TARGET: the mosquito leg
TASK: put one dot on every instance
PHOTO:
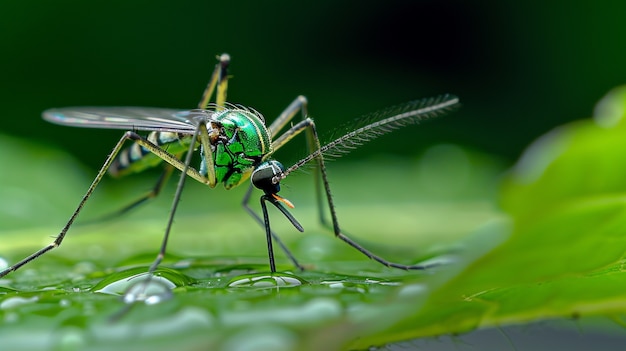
(381, 260)
(172, 159)
(164, 155)
(59, 238)
(268, 230)
(335, 222)
(298, 105)
(219, 78)
(133, 290)
(153, 193)
(268, 233)
(309, 126)
(175, 202)
(246, 206)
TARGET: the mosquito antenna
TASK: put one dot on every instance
(380, 123)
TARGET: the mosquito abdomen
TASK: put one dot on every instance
(137, 158)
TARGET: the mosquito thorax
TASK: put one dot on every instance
(239, 141)
(266, 176)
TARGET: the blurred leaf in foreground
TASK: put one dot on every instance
(567, 205)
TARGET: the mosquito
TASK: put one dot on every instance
(235, 145)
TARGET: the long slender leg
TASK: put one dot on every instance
(261, 222)
(266, 221)
(139, 289)
(309, 126)
(268, 230)
(175, 202)
(172, 159)
(59, 238)
(312, 142)
(219, 78)
(153, 193)
(164, 155)
(299, 104)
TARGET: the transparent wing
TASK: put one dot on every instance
(128, 118)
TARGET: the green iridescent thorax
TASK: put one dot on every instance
(240, 141)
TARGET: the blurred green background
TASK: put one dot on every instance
(520, 68)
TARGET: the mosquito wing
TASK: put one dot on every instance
(127, 118)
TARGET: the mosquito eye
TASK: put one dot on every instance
(262, 177)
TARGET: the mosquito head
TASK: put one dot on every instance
(266, 176)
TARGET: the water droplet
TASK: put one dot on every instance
(149, 289)
(4, 264)
(265, 280)
(119, 287)
(136, 285)
(118, 283)
(16, 301)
